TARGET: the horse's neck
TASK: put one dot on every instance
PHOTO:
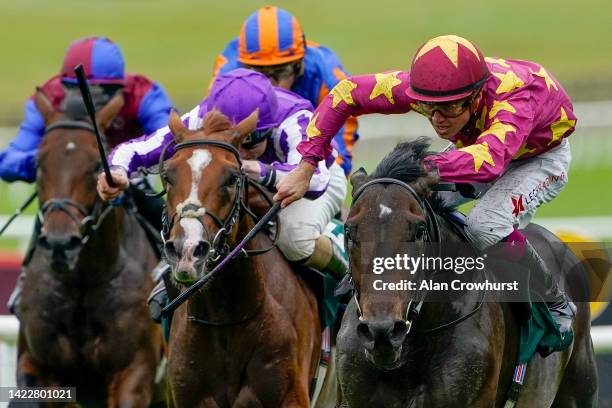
(439, 312)
(237, 291)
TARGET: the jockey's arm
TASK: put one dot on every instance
(291, 132)
(353, 96)
(18, 159)
(144, 151)
(333, 72)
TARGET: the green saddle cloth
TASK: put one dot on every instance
(541, 331)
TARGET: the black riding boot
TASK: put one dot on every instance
(158, 298)
(561, 308)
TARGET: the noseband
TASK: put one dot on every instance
(91, 221)
(430, 234)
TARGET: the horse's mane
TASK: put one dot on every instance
(405, 163)
(215, 121)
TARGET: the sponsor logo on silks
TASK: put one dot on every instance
(532, 198)
(517, 204)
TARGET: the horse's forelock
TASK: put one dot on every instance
(405, 162)
(215, 121)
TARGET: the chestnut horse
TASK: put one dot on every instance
(459, 354)
(84, 319)
(251, 336)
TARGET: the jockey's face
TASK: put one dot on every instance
(282, 76)
(448, 126)
(255, 152)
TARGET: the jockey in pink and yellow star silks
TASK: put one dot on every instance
(508, 120)
(523, 111)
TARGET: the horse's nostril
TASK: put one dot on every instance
(44, 243)
(364, 333)
(73, 243)
(201, 249)
(399, 330)
(171, 252)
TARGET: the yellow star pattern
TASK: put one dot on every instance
(342, 93)
(509, 82)
(500, 106)
(480, 153)
(311, 129)
(498, 61)
(449, 44)
(458, 144)
(561, 126)
(523, 150)
(481, 121)
(498, 130)
(385, 84)
(549, 81)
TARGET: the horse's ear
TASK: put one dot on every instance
(176, 125)
(245, 127)
(44, 106)
(358, 178)
(105, 116)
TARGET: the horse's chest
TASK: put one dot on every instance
(77, 336)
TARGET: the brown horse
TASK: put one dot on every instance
(251, 337)
(84, 320)
(459, 354)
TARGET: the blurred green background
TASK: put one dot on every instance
(176, 42)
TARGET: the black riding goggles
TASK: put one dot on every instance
(256, 137)
(450, 109)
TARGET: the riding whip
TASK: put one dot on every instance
(18, 211)
(80, 74)
(180, 299)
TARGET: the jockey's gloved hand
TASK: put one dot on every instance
(121, 180)
(467, 190)
(294, 185)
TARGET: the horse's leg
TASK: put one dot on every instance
(328, 397)
(28, 375)
(578, 388)
(133, 386)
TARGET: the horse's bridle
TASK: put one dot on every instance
(91, 221)
(430, 234)
(219, 246)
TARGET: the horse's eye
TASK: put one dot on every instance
(421, 230)
(232, 180)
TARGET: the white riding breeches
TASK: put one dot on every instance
(511, 201)
(304, 220)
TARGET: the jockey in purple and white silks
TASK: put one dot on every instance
(269, 154)
(508, 120)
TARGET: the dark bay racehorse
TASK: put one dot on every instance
(84, 320)
(468, 363)
(251, 337)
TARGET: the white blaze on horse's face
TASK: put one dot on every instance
(193, 234)
(384, 210)
(70, 146)
(200, 158)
